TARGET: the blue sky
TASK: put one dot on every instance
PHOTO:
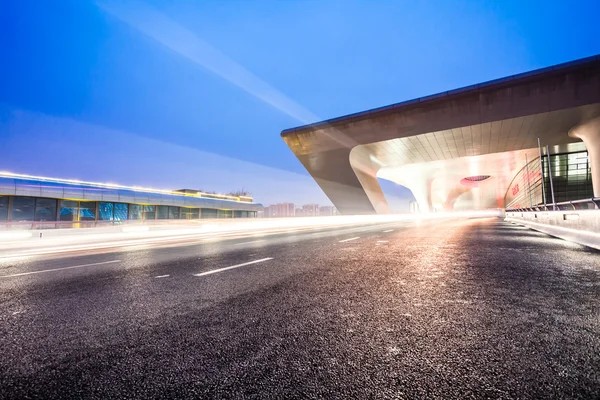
(195, 93)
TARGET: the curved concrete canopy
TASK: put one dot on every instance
(452, 129)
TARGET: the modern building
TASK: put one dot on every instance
(280, 210)
(47, 202)
(327, 211)
(470, 148)
(310, 210)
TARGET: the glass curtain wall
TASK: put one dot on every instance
(3, 208)
(162, 212)
(69, 210)
(189, 213)
(38, 209)
(105, 211)
(173, 212)
(571, 177)
(148, 212)
(22, 209)
(87, 211)
(45, 209)
(135, 211)
(120, 211)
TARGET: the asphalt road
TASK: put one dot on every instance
(459, 309)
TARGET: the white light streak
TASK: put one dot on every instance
(63, 240)
(15, 235)
(130, 229)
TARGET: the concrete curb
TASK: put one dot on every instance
(579, 226)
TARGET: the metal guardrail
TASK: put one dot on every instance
(584, 204)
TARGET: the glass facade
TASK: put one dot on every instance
(224, 213)
(148, 212)
(105, 211)
(120, 212)
(3, 208)
(173, 212)
(22, 209)
(135, 211)
(189, 213)
(38, 209)
(208, 213)
(45, 209)
(87, 211)
(571, 179)
(69, 210)
(162, 212)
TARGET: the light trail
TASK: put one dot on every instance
(63, 240)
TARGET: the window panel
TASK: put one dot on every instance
(208, 213)
(3, 208)
(149, 212)
(87, 211)
(162, 212)
(173, 212)
(69, 210)
(22, 208)
(135, 211)
(189, 213)
(120, 211)
(105, 211)
(224, 213)
(45, 209)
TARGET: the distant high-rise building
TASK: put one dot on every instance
(280, 210)
(327, 211)
(310, 210)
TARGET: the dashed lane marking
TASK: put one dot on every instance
(214, 271)
(59, 269)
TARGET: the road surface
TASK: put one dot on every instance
(475, 308)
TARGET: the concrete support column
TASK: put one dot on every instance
(365, 166)
(589, 133)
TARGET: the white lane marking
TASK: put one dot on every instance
(214, 271)
(162, 276)
(59, 269)
(383, 241)
(347, 240)
(254, 241)
(389, 230)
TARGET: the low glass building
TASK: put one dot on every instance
(38, 202)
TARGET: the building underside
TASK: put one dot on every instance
(463, 149)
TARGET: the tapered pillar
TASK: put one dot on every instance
(589, 132)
